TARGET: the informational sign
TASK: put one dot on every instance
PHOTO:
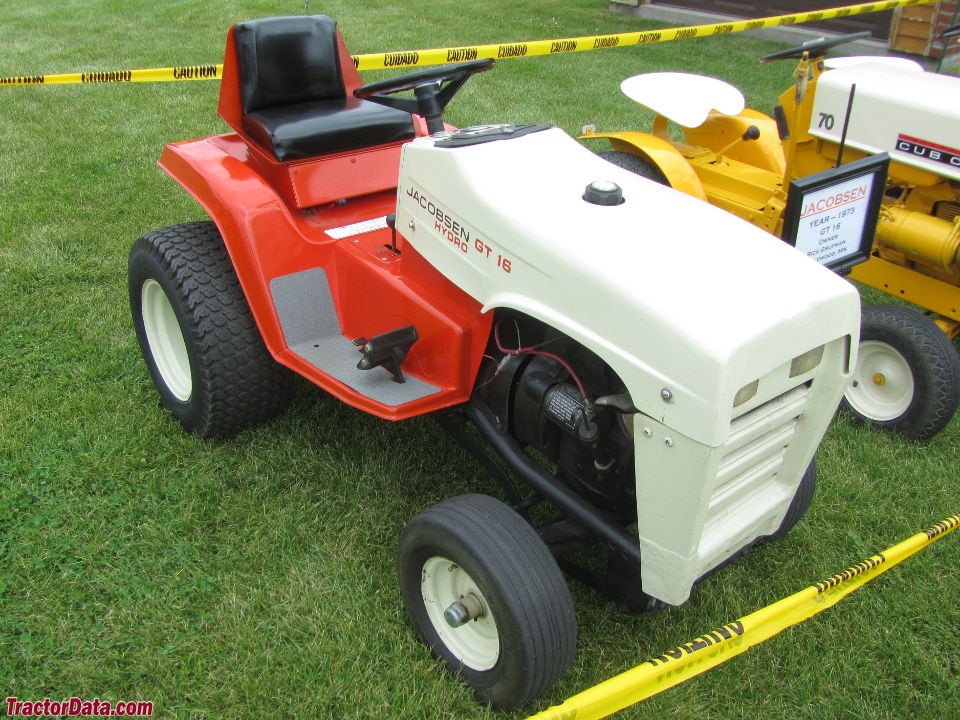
(832, 219)
(832, 216)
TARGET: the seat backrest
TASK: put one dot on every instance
(287, 91)
(277, 61)
(287, 60)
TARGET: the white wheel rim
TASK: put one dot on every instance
(165, 338)
(882, 387)
(476, 643)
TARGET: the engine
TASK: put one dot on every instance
(558, 398)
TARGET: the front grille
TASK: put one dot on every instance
(754, 452)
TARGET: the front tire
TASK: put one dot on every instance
(801, 500)
(474, 555)
(197, 335)
(907, 378)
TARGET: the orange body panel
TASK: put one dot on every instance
(373, 291)
(273, 217)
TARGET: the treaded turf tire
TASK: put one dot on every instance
(197, 334)
(907, 378)
(474, 545)
(635, 164)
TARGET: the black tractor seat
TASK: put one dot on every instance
(321, 127)
(293, 96)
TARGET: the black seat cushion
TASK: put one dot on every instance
(293, 96)
(285, 60)
(326, 126)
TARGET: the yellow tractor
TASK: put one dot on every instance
(813, 175)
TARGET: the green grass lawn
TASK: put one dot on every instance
(254, 577)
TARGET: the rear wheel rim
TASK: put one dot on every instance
(165, 338)
(476, 643)
(883, 384)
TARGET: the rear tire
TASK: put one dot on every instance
(907, 378)
(635, 164)
(197, 335)
(521, 637)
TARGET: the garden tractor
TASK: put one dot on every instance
(796, 175)
(646, 421)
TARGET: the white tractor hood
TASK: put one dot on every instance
(671, 292)
(912, 115)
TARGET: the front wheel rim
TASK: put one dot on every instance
(883, 384)
(476, 643)
(165, 338)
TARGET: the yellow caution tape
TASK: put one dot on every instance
(718, 646)
(442, 56)
(187, 72)
(439, 56)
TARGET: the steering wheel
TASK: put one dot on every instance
(816, 48)
(431, 95)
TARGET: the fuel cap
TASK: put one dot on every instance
(603, 192)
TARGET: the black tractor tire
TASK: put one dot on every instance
(635, 164)
(197, 335)
(473, 546)
(801, 500)
(907, 378)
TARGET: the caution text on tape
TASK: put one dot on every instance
(440, 56)
(506, 51)
(717, 646)
(170, 74)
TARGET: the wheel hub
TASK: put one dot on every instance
(883, 385)
(459, 613)
(463, 610)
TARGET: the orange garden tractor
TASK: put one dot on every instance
(358, 241)
(806, 175)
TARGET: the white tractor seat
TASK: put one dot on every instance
(685, 98)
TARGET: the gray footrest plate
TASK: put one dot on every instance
(312, 331)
